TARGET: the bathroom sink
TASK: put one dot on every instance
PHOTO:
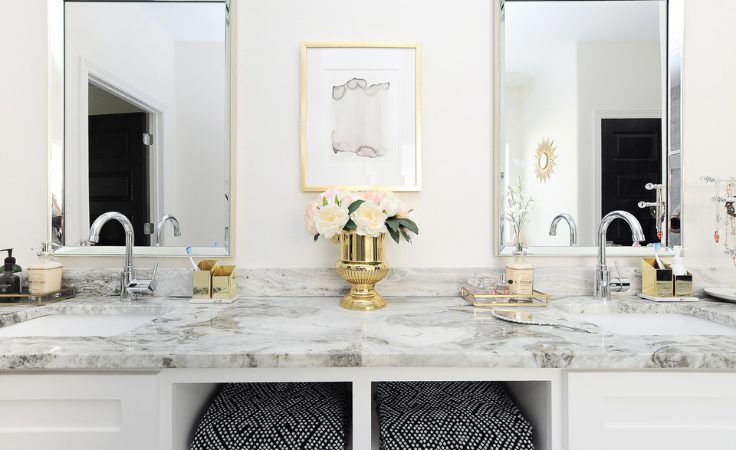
(78, 325)
(665, 324)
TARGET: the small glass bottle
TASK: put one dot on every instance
(502, 287)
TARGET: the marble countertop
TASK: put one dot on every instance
(315, 332)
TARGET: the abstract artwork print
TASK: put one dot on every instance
(359, 114)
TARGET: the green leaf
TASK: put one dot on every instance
(337, 200)
(410, 225)
(394, 235)
(393, 224)
(405, 234)
(316, 236)
(354, 206)
(324, 201)
(350, 226)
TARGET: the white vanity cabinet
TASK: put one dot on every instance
(79, 411)
(651, 410)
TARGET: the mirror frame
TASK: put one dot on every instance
(675, 17)
(56, 143)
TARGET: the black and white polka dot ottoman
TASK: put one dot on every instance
(271, 416)
(450, 416)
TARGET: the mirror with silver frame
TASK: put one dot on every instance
(140, 123)
(587, 121)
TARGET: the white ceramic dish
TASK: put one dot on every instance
(728, 294)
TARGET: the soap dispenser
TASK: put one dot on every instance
(10, 282)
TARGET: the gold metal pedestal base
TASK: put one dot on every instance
(361, 264)
(363, 297)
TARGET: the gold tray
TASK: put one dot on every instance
(481, 298)
(40, 300)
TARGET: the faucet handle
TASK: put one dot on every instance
(137, 286)
(619, 283)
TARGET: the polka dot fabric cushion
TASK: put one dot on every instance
(450, 416)
(271, 416)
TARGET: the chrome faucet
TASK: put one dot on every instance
(160, 226)
(570, 223)
(129, 285)
(602, 281)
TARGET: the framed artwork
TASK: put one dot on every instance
(360, 116)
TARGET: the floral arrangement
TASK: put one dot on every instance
(367, 213)
(518, 206)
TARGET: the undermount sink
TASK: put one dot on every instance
(58, 325)
(665, 324)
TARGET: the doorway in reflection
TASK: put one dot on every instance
(118, 161)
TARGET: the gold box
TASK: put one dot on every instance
(223, 282)
(656, 282)
(683, 285)
(202, 279)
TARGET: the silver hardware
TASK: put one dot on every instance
(149, 228)
(602, 277)
(658, 207)
(571, 225)
(147, 139)
(619, 284)
(143, 286)
(159, 227)
(94, 237)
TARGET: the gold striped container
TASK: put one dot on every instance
(362, 265)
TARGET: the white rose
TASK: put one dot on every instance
(329, 220)
(370, 220)
(391, 204)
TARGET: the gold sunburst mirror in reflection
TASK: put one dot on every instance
(545, 158)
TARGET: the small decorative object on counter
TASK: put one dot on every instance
(44, 277)
(656, 282)
(488, 298)
(502, 287)
(520, 274)
(10, 282)
(358, 222)
(224, 286)
(202, 279)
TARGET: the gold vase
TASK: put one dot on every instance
(361, 264)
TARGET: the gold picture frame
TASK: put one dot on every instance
(316, 134)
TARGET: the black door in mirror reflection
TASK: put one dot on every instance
(631, 157)
(118, 173)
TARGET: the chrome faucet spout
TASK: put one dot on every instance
(94, 237)
(159, 228)
(571, 225)
(602, 275)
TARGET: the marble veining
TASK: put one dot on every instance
(400, 282)
(292, 332)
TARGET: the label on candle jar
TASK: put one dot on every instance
(521, 281)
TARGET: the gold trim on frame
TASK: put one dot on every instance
(417, 123)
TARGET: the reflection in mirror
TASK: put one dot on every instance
(582, 117)
(146, 127)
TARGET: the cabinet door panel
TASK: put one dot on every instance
(665, 410)
(80, 412)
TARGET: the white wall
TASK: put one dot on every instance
(455, 205)
(549, 107)
(612, 77)
(199, 201)
(23, 122)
